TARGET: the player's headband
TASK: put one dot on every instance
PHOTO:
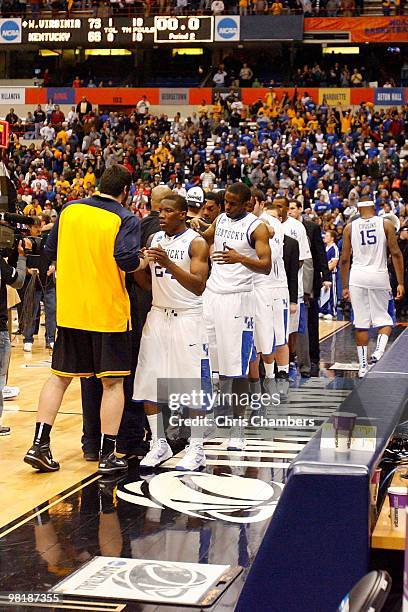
(365, 203)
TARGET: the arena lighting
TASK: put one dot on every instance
(341, 50)
(188, 51)
(109, 52)
(48, 53)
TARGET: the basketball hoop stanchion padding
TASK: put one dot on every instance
(4, 134)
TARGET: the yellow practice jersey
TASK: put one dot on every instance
(95, 241)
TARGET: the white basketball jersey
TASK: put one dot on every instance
(234, 233)
(277, 277)
(167, 291)
(369, 244)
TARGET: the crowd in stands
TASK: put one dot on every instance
(329, 8)
(322, 156)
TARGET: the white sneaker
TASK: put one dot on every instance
(159, 451)
(362, 371)
(376, 356)
(28, 347)
(193, 459)
(10, 392)
(52, 346)
(328, 317)
(236, 444)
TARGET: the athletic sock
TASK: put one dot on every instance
(283, 368)
(197, 432)
(381, 343)
(362, 356)
(108, 442)
(156, 426)
(42, 433)
(269, 369)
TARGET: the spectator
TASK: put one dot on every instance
(11, 117)
(219, 78)
(143, 107)
(84, 107)
(217, 7)
(245, 76)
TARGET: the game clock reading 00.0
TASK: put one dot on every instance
(183, 29)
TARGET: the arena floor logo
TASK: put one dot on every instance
(227, 497)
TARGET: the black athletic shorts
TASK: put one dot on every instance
(88, 353)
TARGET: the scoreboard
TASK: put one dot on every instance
(117, 31)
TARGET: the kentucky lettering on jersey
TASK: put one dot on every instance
(167, 291)
(369, 245)
(236, 234)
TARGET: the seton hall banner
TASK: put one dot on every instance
(362, 29)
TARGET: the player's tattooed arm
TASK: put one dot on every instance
(345, 261)
(397, 258)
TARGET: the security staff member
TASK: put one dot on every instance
(95, 242)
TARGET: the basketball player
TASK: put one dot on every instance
(368, 287)
(271, 315)
(297, 322)
(328, 298)
(241, 249)
(173, 345)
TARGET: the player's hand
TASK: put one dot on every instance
(293, 308)
(326, 284)
(230, 256)
(400, 292)
(306, 298)
(51, 270)
(159, 256)
(195, 224)
(346, 295)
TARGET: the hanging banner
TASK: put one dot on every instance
(226, 28)
(334, 96)
(362, 29)
(272, 27)
(173, 96)
(389, 96)
(12, 95)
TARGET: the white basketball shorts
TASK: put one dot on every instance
(230, 320)
(372, 307)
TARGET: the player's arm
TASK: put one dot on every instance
(208, 234)
(143, 275)
(270, 229)
(262, 265)
(345, 261)
(194, 280)
(397, 258)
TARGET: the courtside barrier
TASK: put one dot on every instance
(318, 542)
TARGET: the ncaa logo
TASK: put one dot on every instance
(10, 30)
(227, 28)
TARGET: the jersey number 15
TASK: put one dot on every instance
(368, 237)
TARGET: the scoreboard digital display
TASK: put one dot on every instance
(117, 31)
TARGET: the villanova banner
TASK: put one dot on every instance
(389, 96)
(226, 28)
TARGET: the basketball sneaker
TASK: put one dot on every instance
(10, 392)
(159, 451)
(40, 458)
(362, 371)
(110, 464)
(237, 444)
(193, 459)
(28, 347)
(375, 357)
(4, 431)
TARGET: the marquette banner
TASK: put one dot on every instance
(362, 29)
(389, 96)
(272, 27)
(334, 97)
(174, 96)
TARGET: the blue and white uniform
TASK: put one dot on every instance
(174, 348)
(229, 305)
(370, 291)
(295, 229)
